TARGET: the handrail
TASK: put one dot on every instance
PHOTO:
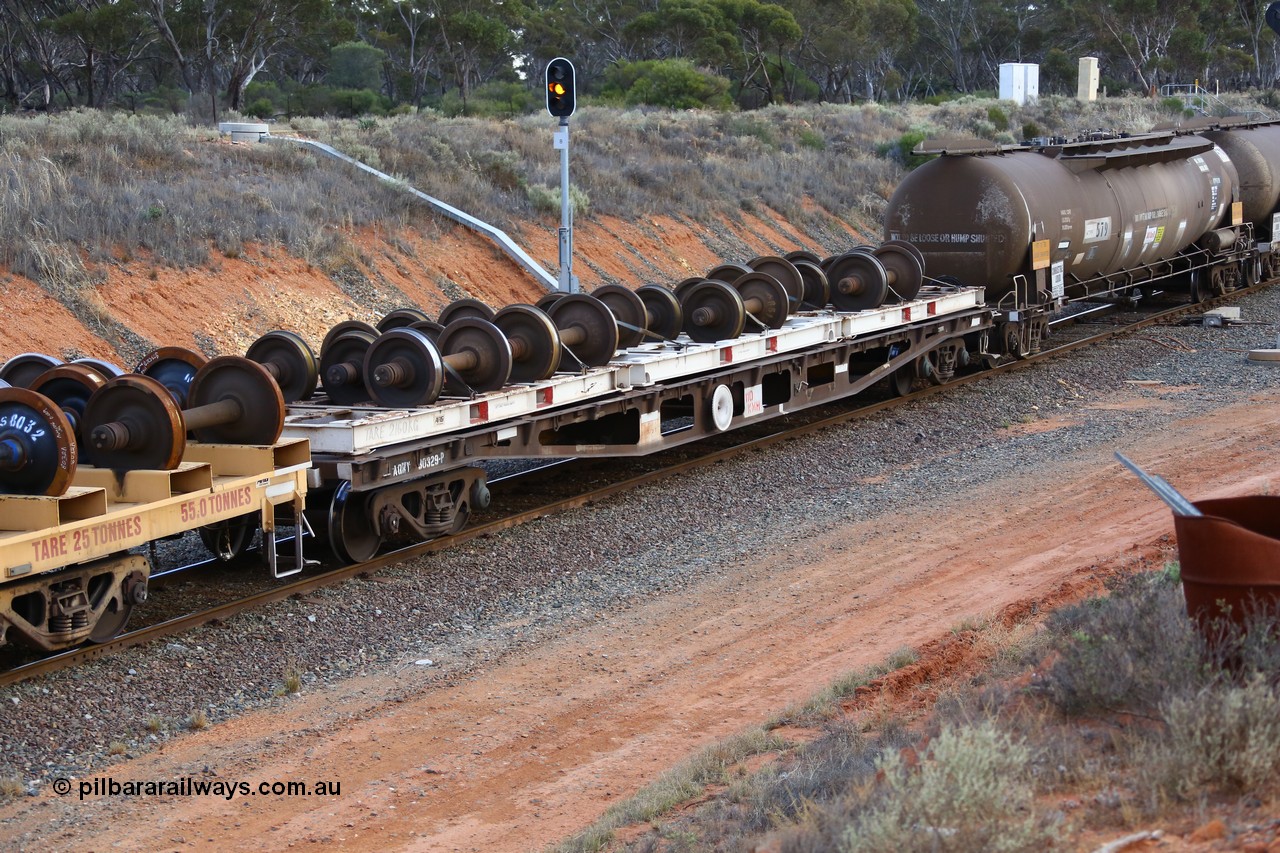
(260, 132)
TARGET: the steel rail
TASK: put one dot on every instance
(72, 657)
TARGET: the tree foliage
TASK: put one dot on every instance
(203, 55)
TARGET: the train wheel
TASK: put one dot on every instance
(1196, 287)
(903, 380)
(353, 532)
(1251, 270)
(123, 598)
(229, 539)
(1271, 266)
(111, 622)
(1219, 281)
(939, 366)
(460, 519)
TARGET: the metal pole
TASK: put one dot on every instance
(568, 283)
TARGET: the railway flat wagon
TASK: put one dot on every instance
(75, 564)
(385, 472)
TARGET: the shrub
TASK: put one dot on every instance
(972, 791)
(355, 65)
(1129, 652)
(1225, 735)
(902, 149)
(811, 139)
(999, 118)
(354, 102)
(261, 108)
(547, 199)
(501, 99)
(672, 83)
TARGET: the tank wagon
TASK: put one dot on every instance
(1042, 224)
(381, 437)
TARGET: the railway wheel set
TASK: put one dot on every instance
(93, 416)
(140, 420)
(79, 413)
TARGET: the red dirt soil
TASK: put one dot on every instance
(237, 299)
(539, 745)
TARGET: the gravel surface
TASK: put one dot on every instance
(463, 609)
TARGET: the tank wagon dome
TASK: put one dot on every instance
(1102, 205)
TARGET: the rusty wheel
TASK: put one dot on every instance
(764, 298)
(235, 384)
(174, 368)
(713, 311)
(628, 309)
(400, 318)
(70, 386)
(547, 299)
(728, 273)
(342, 367)
(21, 370)
(858, 282)
(106, 369)
(460, 308)
(478, 354)
(904, 270)
(134, 423)
(430, 328)
(534, 339)
(910, 247)
(37, 445)
(817, 292)
(403, 369)
(786, 273)
(342, 328)
(289, 359)
(665, 317)
(804, 255)
(687, 283)
(587, 327)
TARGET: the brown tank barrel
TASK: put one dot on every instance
(1102, 206)
(1255, 152)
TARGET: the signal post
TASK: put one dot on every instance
(561, 103)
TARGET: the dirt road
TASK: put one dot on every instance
(539, 745)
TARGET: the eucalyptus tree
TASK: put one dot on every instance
(458, 44)
(851, 48)
(223, 44)
(105, 39)
(746, 41)
(37, 58)
(1141, 33)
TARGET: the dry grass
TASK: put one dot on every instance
(292, 682)
(1138, 719)
(197, 720)
(683, 783)
(83, 188)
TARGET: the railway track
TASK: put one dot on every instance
(670, 463)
